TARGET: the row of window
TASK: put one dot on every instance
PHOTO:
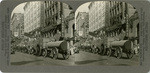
(117, 9)
(52, 12)
(32, 16)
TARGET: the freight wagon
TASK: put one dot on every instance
(118, 47)
(111, 46)
(45, 47)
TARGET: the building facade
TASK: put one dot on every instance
(54, 17)
(70, 27)
(33, 17)
(85, 27)
(82, 24)
(98, 15)
(114, 19)
(17, 25)
(124, 22)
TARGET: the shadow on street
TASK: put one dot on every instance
(88, 61)
(24, 62)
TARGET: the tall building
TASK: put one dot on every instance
(54, 17)
(98, 15)
(82, 23)
(114, 19)
(85, 26)
(17, 25)
(111, 17)
(69, 22)
(33, 17)
(124, 22)
(69, 25)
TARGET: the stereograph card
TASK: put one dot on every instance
(73, 36)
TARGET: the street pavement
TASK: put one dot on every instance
(80, 59)
(86, 58)
(26, 59)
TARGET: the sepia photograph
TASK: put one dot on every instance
(42, 34)
(107, 34)
(98, 33)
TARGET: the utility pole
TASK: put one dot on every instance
(62, 22)
(127, 20)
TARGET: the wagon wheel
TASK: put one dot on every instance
(92, 48)
(130, 54)
(26, 50)
(66, 55)
(55, 53)
(38, 50)
(95, 50)
(99, 51)
(103, 50)
(109, 52)
(30, 51)
(119, 52)
(44, 53)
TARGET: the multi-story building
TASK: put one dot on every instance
(111, 16)
(85, 27)
(55, 18)
(114, 19)
(98, 16)
(82, 24)
(70, 26)
(124, 22)
(33, 17)
(17, 25)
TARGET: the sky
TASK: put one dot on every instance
(18, 9)
(82, 8)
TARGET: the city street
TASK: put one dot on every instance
(82, 58)
(50, 24)
(27, 59)
(86, 58)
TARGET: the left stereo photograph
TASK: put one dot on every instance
(42, 33)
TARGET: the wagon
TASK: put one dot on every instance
(49, 48)
(53, 48)
(98, 46)
(120, 47)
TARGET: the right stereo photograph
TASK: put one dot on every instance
(107, 33)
